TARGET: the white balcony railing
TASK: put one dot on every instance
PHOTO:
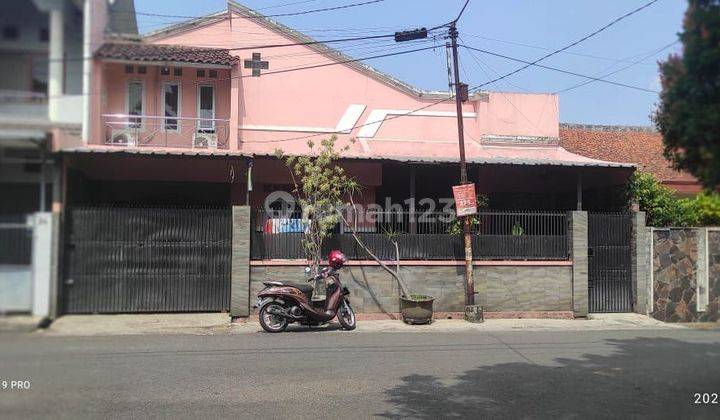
(155, 131)
(23, 104)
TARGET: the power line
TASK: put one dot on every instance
(287, 4)
(654, 52)
(586, 37)
(327, 41)
(315, 66)
(531, 63)
(304, 12)
(539, 47)
(477, 60)
(346, 61)
(481, 64)
(260, 47)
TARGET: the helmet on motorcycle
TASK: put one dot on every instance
(336, 259)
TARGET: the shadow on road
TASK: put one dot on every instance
(648, 377)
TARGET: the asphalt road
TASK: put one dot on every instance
(651, 374)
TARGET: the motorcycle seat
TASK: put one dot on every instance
(305, 288)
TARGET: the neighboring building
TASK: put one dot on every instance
(44, 84)
(642, 146)
(44, 96)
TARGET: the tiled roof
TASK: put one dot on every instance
(639, 145)
(138, 51)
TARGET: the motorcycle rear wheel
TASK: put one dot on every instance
(270, 322)
(346, 316)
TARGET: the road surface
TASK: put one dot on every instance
(332, 374)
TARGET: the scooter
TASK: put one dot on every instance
(281, 303)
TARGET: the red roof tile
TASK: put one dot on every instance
(138, 51)
(639, 145)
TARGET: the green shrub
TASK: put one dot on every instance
(705, 209)
(662, 208)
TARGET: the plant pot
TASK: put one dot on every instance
(417, 310)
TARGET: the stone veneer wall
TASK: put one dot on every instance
(675, 267)
(500, 288)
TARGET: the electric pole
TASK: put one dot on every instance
(472, 313)
(460, 94)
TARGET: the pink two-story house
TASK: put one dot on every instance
(191, 116)
(198, 102)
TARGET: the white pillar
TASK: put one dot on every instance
(56, 63)
(87, 68)
(42, 253)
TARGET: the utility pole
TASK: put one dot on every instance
(473, 313)
(460, 95)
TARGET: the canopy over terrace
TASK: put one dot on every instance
(522, 177)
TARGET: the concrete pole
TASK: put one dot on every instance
(87, 69)
(56, 64)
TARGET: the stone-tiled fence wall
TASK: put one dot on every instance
(521, 288)
(685, 274)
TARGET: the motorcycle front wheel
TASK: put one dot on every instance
(346, 316)
(270, 322)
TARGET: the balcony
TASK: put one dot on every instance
(17, 104)
(165, 132)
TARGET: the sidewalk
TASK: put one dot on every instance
(594, 322)
(18, 323)
(125, 324)
(218, 323)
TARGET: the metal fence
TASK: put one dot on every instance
(15, 240)
(422, 236)
(147, 259)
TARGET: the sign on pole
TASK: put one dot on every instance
(465, 199)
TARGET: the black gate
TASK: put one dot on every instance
(147, 260)
(609, 274)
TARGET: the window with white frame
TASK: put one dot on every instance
(171, 106)
(135, 102)
(206, 108)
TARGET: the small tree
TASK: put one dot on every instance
(320, 187)
(323, 190)
(688, 115)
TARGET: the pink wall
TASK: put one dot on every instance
(113, 98)
(319, 97)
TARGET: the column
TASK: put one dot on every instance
(233, 138)
(578, 236)
(703, 283)
(639, 255)
(240, 263)
(56, 63)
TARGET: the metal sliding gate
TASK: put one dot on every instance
(147, 260)
(609, 261)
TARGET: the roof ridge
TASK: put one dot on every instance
(318, 46)
(150, 44)
(603, 127)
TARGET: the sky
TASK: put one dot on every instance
(523, 29)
